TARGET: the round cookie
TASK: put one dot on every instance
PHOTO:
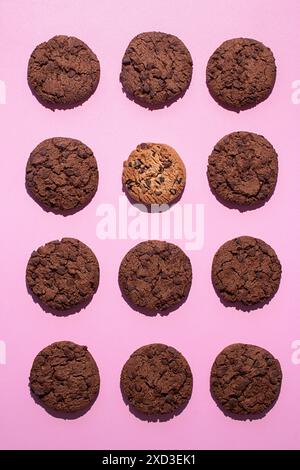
(154, 174)
(157, 380)
(63, 274)
(156, 69)
(64, 377)
(62, 174)
(241, 73)
(246, 271)
(155, 276)
(63, 72)
(245, 380)
(243, 168)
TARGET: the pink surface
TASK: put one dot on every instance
(112, 125)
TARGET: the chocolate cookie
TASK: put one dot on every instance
(246, 270)
(63, 274)
(64, 377)
(245, 380)
(62, 174)
(155, 276)
(157, 380)
(241, 73)
(154, 174)
(63, 72)
(243, 169)
(156, 69)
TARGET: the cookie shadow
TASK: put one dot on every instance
(237, 417)
(58, 313)
(59, 107)
(154, 107)
(153, 313)
(62, 414)
(240, 207)
(64, 213)
(233, 108)
(148, 207)
(153, 418)
(240, 305)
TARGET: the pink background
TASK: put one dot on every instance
(112, 125)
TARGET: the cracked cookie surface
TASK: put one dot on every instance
(157, 380)
(63, 274)
(62, 174)
(246, 271)
(241, 73)
(245, 379)
(63, 72)
(156, 69)
(243, 168)
(156, 276)
(65, 377)
(154, 174)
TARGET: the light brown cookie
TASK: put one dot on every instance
(154, 174)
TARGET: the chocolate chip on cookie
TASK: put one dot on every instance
(154, 174)
(246, 271)
(64, 377)
(245, 380)
(156, 69)
(157, 380)
(62, 174)
(63, 72)
(243, 168)
(63, 274)
(155, 276)
(241, 73)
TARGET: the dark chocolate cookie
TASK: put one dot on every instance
(155, 276)
(241, 73)
(62, 174)
(63, 72)
(64, 377)
(245, 380)
(63, 274)
(157, 380)
(154, 174)
(243, 169)
(246, 270)
(156, 69)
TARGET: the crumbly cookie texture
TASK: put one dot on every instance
(155, 275)
(157, 380)
(246, 270)
(154, 174)
(63, 274)
(63, 72)
(62, 174)
(241, 73)
(156, 69)
(245, 380)
(65, 377)
(243, 168)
